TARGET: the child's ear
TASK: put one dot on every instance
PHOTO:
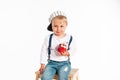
(66, 22)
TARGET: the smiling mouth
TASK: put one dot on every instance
(57, 32)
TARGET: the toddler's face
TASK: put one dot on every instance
(59, 26)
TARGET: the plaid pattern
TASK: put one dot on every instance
(57, 13)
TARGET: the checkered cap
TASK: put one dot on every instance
(57, 13)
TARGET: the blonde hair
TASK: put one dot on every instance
(61, 17)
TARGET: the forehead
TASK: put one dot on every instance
(59, 19)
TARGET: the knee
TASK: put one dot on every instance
(46, 76)
(63, 75)
(43, 77)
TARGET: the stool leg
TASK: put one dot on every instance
(37, 76)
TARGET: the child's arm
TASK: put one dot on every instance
(44, 51)
(72, 50)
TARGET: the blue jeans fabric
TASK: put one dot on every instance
(53, 67)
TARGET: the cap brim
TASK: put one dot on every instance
(49, 28)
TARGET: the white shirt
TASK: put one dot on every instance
(54, 44)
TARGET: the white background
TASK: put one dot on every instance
(93, 23)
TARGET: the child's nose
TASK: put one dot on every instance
(58, 28)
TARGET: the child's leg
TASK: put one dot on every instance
(64, 70)
(48, 73)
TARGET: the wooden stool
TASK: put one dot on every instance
(72, 76)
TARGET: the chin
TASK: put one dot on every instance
(58, 34)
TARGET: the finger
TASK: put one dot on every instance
(41, 71)
(59, 53)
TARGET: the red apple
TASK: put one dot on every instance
(61, 48)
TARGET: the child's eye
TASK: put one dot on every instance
(61, 26)
(55, 26)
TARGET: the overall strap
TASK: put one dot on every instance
(70, 42)
(49, 46)
(69, 46)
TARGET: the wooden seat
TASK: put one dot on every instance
(72, 76)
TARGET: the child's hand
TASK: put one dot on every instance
(66, 53)
(42, 68)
